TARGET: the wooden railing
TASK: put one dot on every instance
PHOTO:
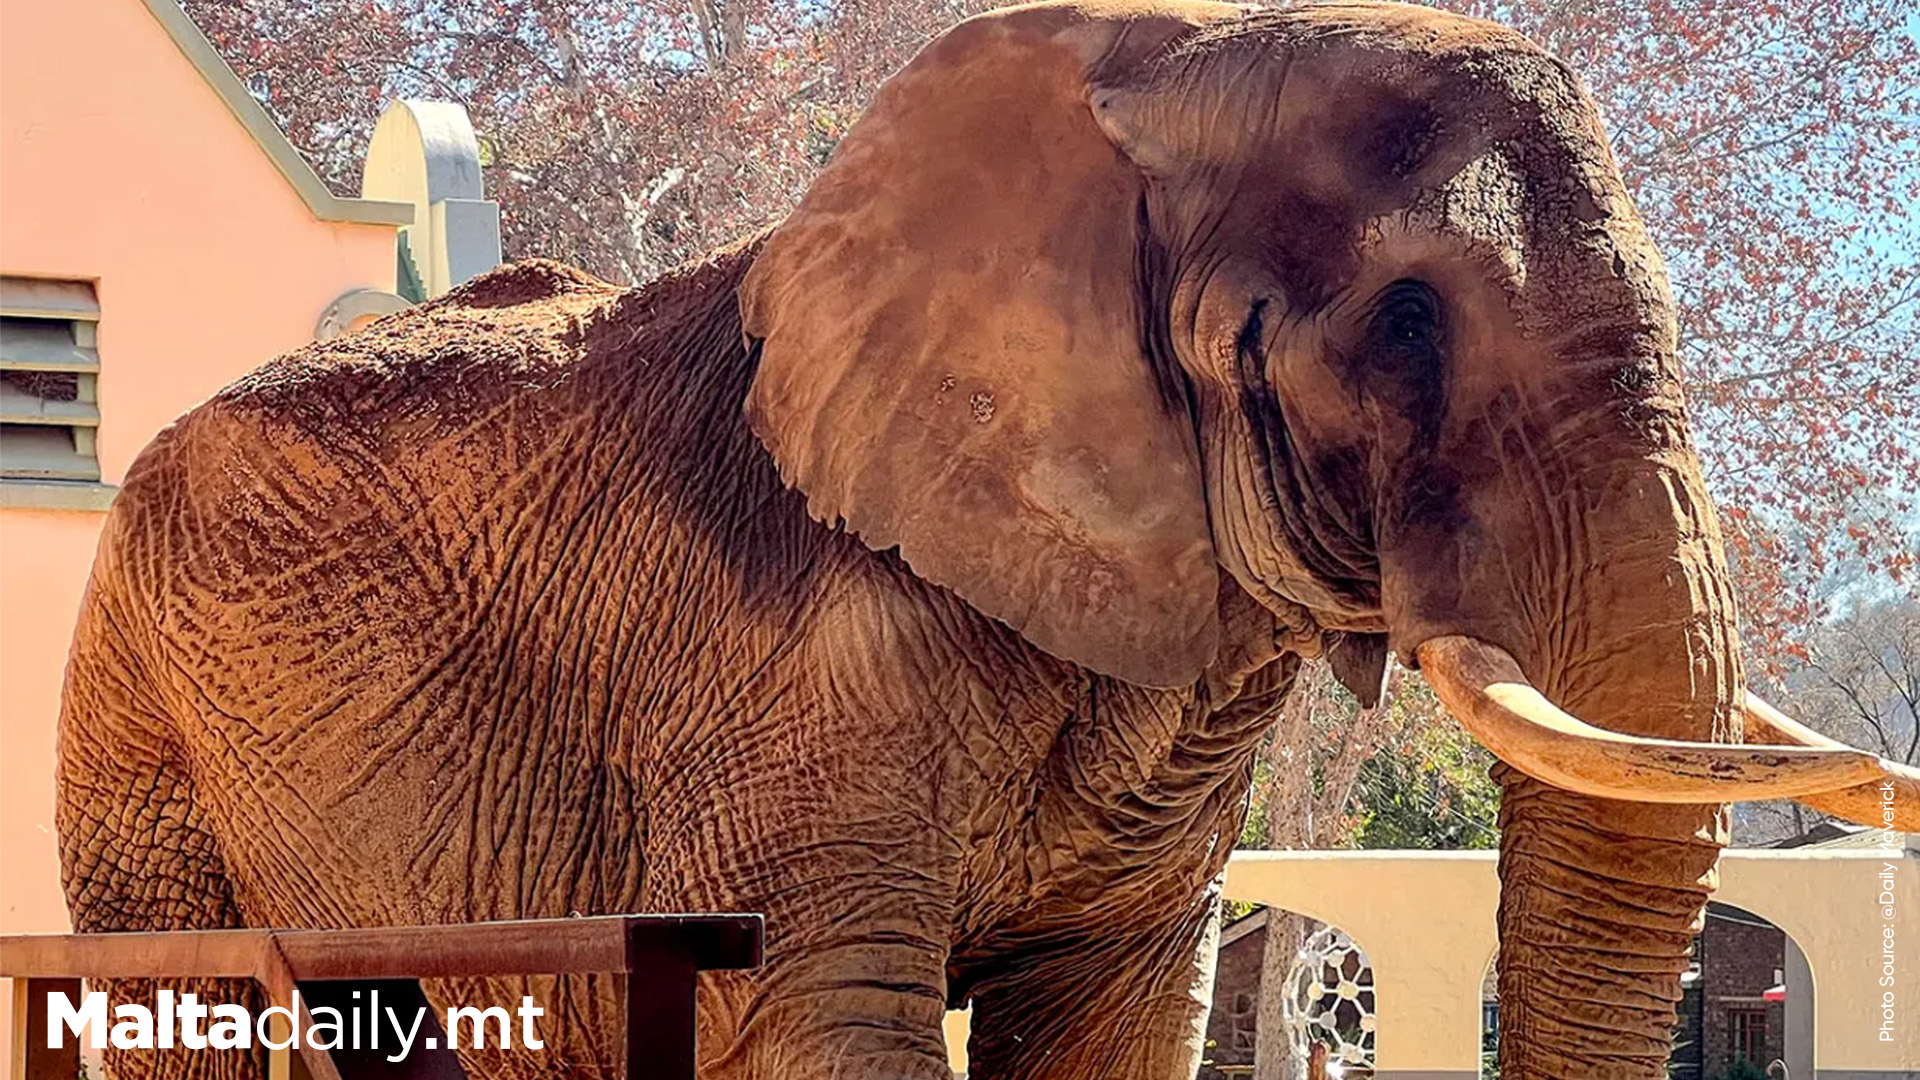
(659, 955)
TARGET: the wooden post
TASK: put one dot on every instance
(32, 1058)
(660, 1008)
(283, 1062)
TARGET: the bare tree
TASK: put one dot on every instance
(1859, 682)
(1863, 679)
(1307, 795)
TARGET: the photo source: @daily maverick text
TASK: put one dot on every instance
(182, 1022)
(1892, 839)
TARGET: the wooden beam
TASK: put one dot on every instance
(525, 947)
(660, 957)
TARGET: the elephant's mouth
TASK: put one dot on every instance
(1483, 686)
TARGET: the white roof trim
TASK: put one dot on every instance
(1243, 926)
(325, 205)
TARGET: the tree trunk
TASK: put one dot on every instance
(1317, 733)
(1273, 1047)
(708, 23)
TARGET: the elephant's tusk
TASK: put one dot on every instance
(1891, 800)
(1482, 685)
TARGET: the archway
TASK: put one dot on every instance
(1747, 1005)
(1746, 1008)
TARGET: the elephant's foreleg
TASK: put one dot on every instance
(1127, 1007)
(853, 988)
(854, 1011)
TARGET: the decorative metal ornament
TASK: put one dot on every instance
(1330, 1002)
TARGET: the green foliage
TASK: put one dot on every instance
(1403, 775)
(1742, 1069)
(1428, 791)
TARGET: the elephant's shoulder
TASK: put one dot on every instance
(431, 369)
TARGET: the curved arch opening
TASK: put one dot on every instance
(1746, 1005)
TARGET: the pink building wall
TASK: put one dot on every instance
(122, 165)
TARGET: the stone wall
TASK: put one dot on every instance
(1236, 997)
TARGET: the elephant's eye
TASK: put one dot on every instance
(1254, 330)
(1408, 316)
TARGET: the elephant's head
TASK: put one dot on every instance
(1347, 301)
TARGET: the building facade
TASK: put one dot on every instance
(159, 237)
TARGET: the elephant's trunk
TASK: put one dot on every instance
(1542, 525)
(1592, 648)
(1598, 904)
(1600, 898)
(1598, 567)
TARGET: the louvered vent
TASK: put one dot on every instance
(49, 373)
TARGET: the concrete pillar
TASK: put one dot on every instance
(1426, 922)
(1799, 1034)
(425, 153)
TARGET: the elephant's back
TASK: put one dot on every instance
(411, 591)
(402, 483)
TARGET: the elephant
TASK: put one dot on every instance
(923, 571)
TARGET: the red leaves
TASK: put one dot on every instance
(1764, 147)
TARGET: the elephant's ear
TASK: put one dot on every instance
(951, 347)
